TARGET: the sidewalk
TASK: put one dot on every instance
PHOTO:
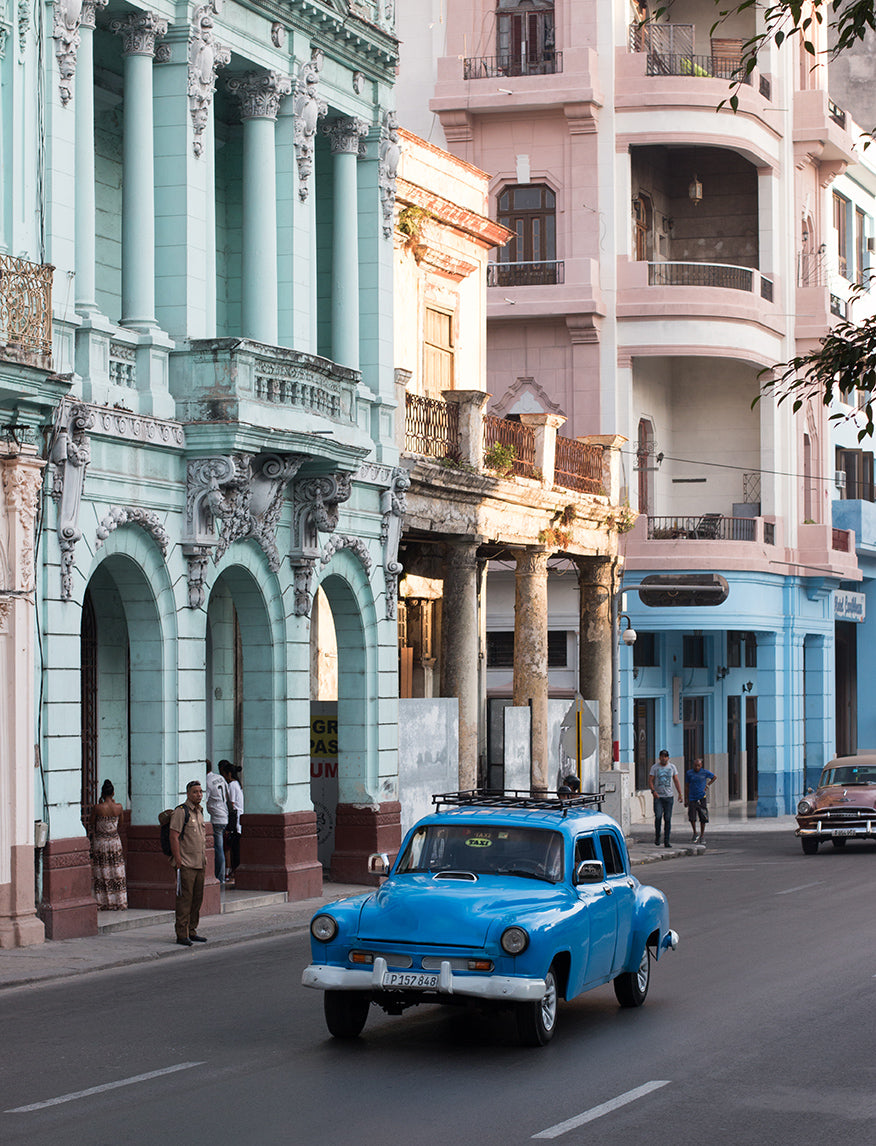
(140, 936)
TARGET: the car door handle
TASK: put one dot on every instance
(607, 890)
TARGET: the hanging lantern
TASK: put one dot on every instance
(695, 190)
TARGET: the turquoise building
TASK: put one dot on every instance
(213, 185)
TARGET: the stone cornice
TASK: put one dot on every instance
(486, 232)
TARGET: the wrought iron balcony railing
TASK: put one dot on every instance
(548, 63)
(578, 465)
(25, 309)
(545, 272)
(512, 435)
(708, 527)
(709, 275)
(431, 427)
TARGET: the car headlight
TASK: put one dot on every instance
(514, 940)
(804, 808)
(323, 928)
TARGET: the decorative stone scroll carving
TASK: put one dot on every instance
(66, 19)
(23, 25)
(206, 56)
(315, 510)
(344, 541)
(393, 504)
(389, 155)
(245, 493)
(139, 32)
(70, 456)
(260, 93)
(21, 492)
(345, 133)
(133, 515)
(308, 110)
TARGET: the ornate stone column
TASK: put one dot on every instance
(86, 298)
(259, 94)
(459, 650)
(595, 637)
(139, 33)
(345, 134)
(530, 657)
(21, 480)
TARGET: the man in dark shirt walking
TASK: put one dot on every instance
(188, 843)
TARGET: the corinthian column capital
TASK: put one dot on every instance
(260, 93)
(139, 32)
(345, 133)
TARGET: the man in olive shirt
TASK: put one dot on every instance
(188, 843)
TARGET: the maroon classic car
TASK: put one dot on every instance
(843, 807)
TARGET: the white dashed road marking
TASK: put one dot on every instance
(603, 1108)
(802, 887)
(100, 1089)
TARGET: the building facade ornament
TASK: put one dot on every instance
(70, 456)
(139, 31)
(278, 34)
(389, 155)
(302, 570)
(344, 541)
(315, 503)
(23, 25)
(308, 110)
(206, 56)
(197, 559)
(21, 493)
(133, 515)
(66, 19)
(393, 503)
(245, 493)
(259, 93)
(136, 428)
(345, 134)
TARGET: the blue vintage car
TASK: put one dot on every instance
(497, 899)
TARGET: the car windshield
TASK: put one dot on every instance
(485, 849)
(848, 775)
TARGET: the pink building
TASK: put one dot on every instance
(666, 252)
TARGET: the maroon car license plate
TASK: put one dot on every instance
(843, 832)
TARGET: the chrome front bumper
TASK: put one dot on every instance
(824, 828)
(505, 988)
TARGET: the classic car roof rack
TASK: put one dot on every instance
(516, 798)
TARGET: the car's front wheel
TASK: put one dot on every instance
(346, 1012)
(631, 988)
(536, 1021)
(809, 845)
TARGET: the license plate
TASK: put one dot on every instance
(843, 832)
(410, 979)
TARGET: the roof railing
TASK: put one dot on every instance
(516, 798)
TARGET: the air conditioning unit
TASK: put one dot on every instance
(839, 479)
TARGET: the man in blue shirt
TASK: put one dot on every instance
(697, 781)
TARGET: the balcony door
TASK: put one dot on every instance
(525, 43)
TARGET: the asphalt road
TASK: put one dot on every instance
(758, 1029)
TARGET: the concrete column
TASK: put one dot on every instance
(139, 32)
(611, 464)
(819, 702)
(595, 640)
(345, 134)
(459, 650)
(259, 94)
(86, 297)
(545, 427)
(472, 404)
(19, 498)
(530, 656)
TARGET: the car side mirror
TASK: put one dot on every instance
(590, 871)
(378, 864)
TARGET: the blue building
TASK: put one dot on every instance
(214, 421)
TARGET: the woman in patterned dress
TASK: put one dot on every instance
(109, 885)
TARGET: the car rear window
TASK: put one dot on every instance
(484, 849)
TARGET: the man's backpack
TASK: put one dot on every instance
(164, 822)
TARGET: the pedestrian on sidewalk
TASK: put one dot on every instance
(108, 881)
(231, 773)
(218, 809)
(660, 780)
(188, 843)
(697, 781)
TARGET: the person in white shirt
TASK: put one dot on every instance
(218, 805)
(663, 775)
(231, 772)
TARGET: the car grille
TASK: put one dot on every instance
(846, 816)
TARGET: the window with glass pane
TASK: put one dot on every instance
(530, 212)
(860, 246)
(437, 352)
(525, 37)
(840, 225)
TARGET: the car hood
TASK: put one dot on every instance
(855, 796)
(420, 909)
